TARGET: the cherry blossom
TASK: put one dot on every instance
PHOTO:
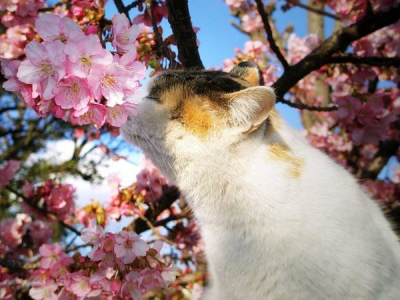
(45, 66)
(85, 53)
(128, 246)
(124, 34)
(52, 27)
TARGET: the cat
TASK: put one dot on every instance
(279, 219)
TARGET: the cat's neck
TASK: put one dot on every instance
(245, 179)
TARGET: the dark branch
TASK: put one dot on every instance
(307, 107)
(122, 9)
(133, 5)
(370, 61)
(339, 41)
(162, 49)
(270, 37)
(309, 8)
(181, 24)
(171, 194)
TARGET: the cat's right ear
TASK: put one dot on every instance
(250, 107)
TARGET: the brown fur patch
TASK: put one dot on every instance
(281, 152)
(196, 118)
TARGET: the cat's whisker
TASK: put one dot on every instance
(164, 159)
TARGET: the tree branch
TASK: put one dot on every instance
(370, 61)
(133, 5)
(181, 24)
(338, 41)
(122, 9)
(270, 38)
(307, 107)
(312, 9)
(171, 194)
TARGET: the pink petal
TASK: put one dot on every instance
(35, 52)
(140, 248)
(48, 26)
(28, 73)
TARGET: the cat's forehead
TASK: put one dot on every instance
(202, 83)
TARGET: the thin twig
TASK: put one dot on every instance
(370, 61)
(307, 107)
(312, 9)
(133, 5)
(336, 43)
(270, 38)
(122, 9)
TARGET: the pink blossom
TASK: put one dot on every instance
(159, 12)
(251, 23)
(128, 246)
(80, 285)
(28, 189)
(234, 4)
(39, 232)
(45, 66)
(92, 30)
(10, 5)
(11, 232)
(93, 234)
(111, 82)
(136, 69)
(85, 53)
(348, 107)
(9, 70)
(152, 279)
(7, 173)
(298, 48)
(93, 113)
(72, 92)
(60, 201)
(130, 287)
(124, 35)
(50, 255)
(118, 114)
(52, 27)
(169, 274)
(45, 291)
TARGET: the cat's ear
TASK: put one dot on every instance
(248, 71)
(250, 107)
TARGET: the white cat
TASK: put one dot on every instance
(280, 220)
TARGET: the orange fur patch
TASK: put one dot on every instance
(196, 118)
(281, 152)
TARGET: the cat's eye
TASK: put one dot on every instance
(153, 99)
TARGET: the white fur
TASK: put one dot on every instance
(269, 236)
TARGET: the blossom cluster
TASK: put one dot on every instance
(15, 231)
(71, 75)
(50, 198)
(119, 265)
(147, 188)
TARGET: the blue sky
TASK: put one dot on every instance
(218, 38)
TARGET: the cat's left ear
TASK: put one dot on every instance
(248, 71)
(251, 107)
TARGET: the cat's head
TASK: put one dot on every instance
(192, 115)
